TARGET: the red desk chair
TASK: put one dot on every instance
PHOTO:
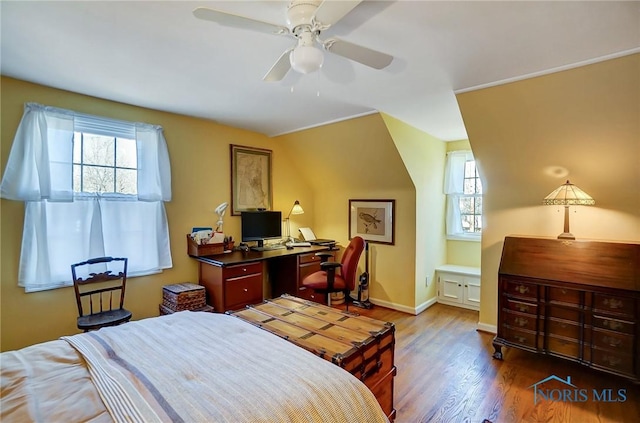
(328, 280)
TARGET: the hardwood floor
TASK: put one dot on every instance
(446, 373)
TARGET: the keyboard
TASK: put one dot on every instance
(268, 248)
(298, 244)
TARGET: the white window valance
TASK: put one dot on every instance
(40, 162)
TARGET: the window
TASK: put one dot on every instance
(471, 200)
(93, 187)
(464, 197)
(104, 164)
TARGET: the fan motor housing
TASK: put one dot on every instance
(301, 12)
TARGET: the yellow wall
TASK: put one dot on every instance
(357, 159)
(199, 153)
(424, 157)
(585, 120)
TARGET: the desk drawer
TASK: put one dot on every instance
(309, 258)
(521, 289)
(563, 346)
(522, 306)
(311, 295)
(619, 305)
(242, 291)
(520, 321)
(242, 269)
(616, 325)
(563, 295)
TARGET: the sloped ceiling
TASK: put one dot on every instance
(156, 54)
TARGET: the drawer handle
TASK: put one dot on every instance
(612, 360)
(522, 289)
(245, 290)
(612, 303)
(521, 339)
(612, 324)
(611, 341)
(521, 321)
(522, 307)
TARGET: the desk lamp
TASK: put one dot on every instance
(296, 209)
(567, 195)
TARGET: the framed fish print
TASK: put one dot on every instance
(373, 220)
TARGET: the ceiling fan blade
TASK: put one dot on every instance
(229, 19)
(364, 55)
(279, 68)
(331, 11)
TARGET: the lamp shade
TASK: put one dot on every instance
(568, 194)
(306, 59)
(297, 208)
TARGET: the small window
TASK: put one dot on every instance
(463, 188)
(103, 164)
(471, 200)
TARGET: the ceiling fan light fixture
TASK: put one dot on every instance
(306, 59)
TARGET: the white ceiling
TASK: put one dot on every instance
(155, 54)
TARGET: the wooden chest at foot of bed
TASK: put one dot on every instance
(361, 345)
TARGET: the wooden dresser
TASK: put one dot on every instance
(574, 299)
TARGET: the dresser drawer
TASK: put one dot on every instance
(619, 305)
(619, 362)
(521, 306)
(616, 325)
(563, 295)
(564, 313)
(613, 341)
(521, 289)
(563, 328)
(242, 270)
(520, 321)
(521, 337)
(242, 291)
(563, 346)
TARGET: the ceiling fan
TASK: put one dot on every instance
(306, 19)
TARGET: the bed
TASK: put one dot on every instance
(182, 367)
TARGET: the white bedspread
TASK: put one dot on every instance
(206, 367)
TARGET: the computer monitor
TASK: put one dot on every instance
(260, 225)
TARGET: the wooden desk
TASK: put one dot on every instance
(234, 280)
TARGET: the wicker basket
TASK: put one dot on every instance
(183, 296)
(196, 250)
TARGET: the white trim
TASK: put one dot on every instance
(469, 238)
(329, 122)
(550, 71)
(483, 327)
(403, 308)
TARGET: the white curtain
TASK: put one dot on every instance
(454, 188)
(61, 228)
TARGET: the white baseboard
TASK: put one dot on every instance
(403, 308)
(487, 328)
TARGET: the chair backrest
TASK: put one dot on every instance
(350, 259)
(95, 291)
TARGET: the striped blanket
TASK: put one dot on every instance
(206, 367)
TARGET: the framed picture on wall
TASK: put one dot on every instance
(373, 220)
(250, 179)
